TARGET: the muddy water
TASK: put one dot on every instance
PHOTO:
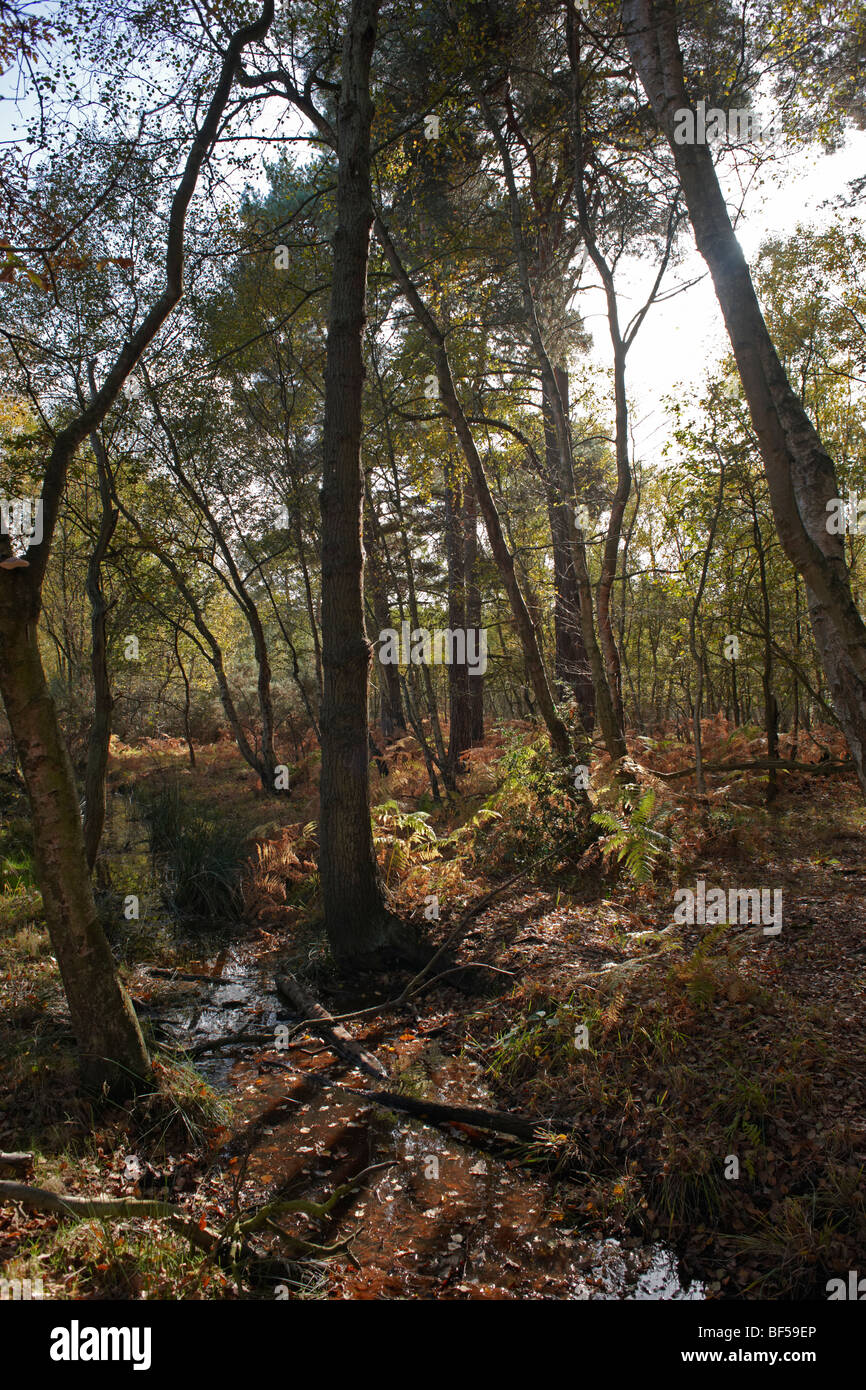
(452, 1217)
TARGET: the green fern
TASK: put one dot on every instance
(403, 835)
(632, 835)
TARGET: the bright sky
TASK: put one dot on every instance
(680, 338)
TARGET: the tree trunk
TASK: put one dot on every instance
(110, 1044)
(459, 681)
(359, 926)
(571, 664)
(99, 740)
(393, 719)
(412, 594)
(187, 698)
(771, 708)
(800, 473)
(473, 608)
(111, 1048)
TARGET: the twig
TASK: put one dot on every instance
(456, 969)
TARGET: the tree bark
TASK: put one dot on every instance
(110, 1043)
(99, 740)
(360, 928)
(110, 1046)
(459, 680)
(473, 608)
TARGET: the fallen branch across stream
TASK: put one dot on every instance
(519, 1126)
(317, 1019)
(338, 1037)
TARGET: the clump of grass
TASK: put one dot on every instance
(546, 1039)
(17, 873)
(200, 858)
(181, 1105)
(800, 1245)
(129, 1260)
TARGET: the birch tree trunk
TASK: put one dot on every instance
(800, 473)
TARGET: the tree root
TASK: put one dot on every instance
(229, 1245)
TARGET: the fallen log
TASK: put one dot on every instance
(18, 1162)
(318, 1020)
(167, 973)
(519, 1126)
(761, 765)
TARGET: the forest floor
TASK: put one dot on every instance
(696, 1091)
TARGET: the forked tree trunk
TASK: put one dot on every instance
(800, 473)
